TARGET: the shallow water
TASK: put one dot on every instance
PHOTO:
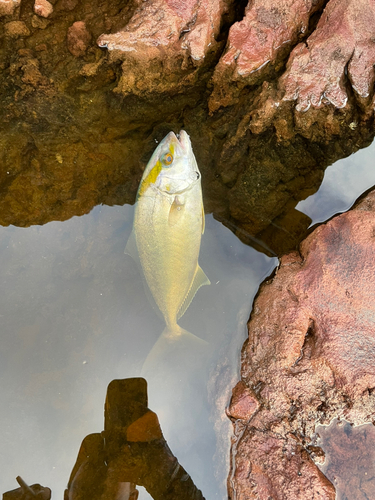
(75, 316)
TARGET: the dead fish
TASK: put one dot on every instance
(168, 226)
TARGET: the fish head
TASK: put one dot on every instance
(172, 168)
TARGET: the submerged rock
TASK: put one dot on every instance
(7, 7)
(308, 359)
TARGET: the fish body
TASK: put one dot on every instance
(168, 225)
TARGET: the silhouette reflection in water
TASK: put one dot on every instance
(26, 492)
(130, 451)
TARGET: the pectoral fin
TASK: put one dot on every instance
(199, 280)
(176, 211)
(131, 247)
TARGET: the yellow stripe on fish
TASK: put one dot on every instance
(150, 179)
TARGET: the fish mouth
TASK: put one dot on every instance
(184, 141)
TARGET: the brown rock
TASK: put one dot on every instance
(165, 38)
(309, 356)
(78, 39)
(260, 40)
(16, 29)
(43, 8)
(7, 7)
(68, 4)
(39, 22)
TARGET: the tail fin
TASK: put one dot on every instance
(174, 346)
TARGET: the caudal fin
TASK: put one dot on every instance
(174, 347)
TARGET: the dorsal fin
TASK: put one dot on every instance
(199, 280)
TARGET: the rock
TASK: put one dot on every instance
(101, 110)
(165, 38)
(39, 22)
(275, 467)
(349, 458)
(7, 7)
(339, 54)
(257, 42)
(16, 29)
(68, 4)
(43, 8)
(78, 39)
(344, 38)
(309, 355)
(243, 403)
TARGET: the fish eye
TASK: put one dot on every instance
(167, 159)
(197, 174)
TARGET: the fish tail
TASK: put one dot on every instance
(174, 342)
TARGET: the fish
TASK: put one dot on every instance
(168, 225)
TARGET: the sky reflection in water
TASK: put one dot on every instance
(75, 316)
(343, 183)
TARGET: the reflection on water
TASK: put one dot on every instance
(343, 183)
(349, 459)
(130, 451)
(75, 316)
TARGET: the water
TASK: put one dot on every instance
(75, 316)
(343, 183)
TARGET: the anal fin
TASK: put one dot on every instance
(199, 280)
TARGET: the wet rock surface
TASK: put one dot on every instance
(349, 463)
(87, 91)
(308, 359)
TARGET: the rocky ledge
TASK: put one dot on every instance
(270, 92)
(308, 359)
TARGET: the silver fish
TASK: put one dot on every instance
(168, 225)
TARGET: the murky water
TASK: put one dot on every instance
(75, 316)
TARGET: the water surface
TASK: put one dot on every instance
(75, 316)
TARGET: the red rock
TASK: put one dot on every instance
(43, 8)
(349, 458)
(316, 70)
(243, 404)
(78, 39)
(275, 467)
(310, 352)
(261, 39)
(163, 38)
(7, 7)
